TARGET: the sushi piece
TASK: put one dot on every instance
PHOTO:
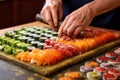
(85, 69)
(106, 65)
(48, 36)
(117, 51)
(48, 32)
(30, 48)
(10, 34)
(36, 37)
(65, 78)
(114, 72)
(42, 39)
(111, 55)
(7, 49)
(102, 59)
(113, 62)
(117, 67)
(91, 64)
(94, 75)
(108, 76)
(16, 51)
(32, 31)
(118, 58)
(40, 45)
(35, 43)
(30, 40)
(100, 69)
(73, 75)
(38, 32)
(55, 34)
(16, 36)
(42, 34)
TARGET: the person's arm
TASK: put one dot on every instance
(99, 7)
(82, 17)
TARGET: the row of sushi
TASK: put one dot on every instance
(32, 38)
(12, 46)
(106, 67)
(50, 54)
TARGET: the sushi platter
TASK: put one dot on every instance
(40, 50)
(103, 67)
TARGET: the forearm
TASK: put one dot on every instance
(99, 7)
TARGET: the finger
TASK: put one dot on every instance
(48, 18)
(60, 13)
(43, 16)
(54, 15)
(60, 31)
(77, 31)
(72, 28)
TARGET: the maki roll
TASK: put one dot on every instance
(16, 36)
(111, 55)
(22, 32)
(36, 37)
(113, 62)
(100, 69)
(114, 72)
(40, 45)
(16, 51)
(108, 76)
(38, 32)
(42, 39)
(118, 58)
(30, 48)
(85, 68)
(42, 34)
(65, 78)
(91, 64)
(55, 34)
(102, 59)
(117, 51)
(17, 31)
(48, 32)
(35, 43)
(106, 65)
(9, 34)
(30, 40)
(32, 31)
(94, 75)
(7, 49)
(48, 36)
(73, 75)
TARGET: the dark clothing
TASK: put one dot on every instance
(109, 20)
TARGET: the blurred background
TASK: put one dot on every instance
(15, 12)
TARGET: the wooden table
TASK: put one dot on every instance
(9, 71)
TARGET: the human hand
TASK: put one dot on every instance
(52, 12)
(76, 21)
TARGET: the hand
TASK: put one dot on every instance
(52, 12)
(76, 21)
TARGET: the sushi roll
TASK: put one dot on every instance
(42, 39)
(35, 43)
(17, 31)
(108, 76)
(47, 46)
(30, 48)
(65, 78)
(22, 32)
(53, 38)
(111, 55)
(16, 51)
(48, 32)
(114, 72)
(38, 32)
(91, 64)
(42, 34)
(48, 36)
(100, 69)
(113, 62)
(30, 40)
(85, 69)
(40, 45)
(73, 75)
(117, 51)
(1, 47)
(32, 31)
(102, 59)
(7, 49)
(36, 37)
(16, 37)
(94, 75)
(9, 34)
(118, 58)
(106, 65)
(55, 34)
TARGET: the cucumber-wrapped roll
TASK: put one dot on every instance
(1, 47)
(7, 49)
(10, 42)
(16, 36)
(25, 46)
(16, 51)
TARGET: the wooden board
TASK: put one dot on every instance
(49, 70)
